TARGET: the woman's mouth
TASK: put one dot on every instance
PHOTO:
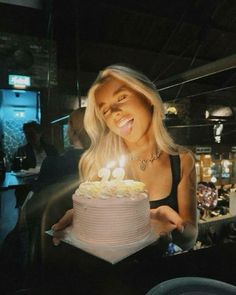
(125, 126)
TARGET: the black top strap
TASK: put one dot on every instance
(171, 200)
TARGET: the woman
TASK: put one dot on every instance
(125, 116)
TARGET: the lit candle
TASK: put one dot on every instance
(104, 173)
(119, 172)
(122, 161)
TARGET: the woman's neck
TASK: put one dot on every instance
(144, 147)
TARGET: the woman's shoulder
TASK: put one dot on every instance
(187, 159)
(185, 154)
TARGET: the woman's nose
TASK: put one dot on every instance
(115, 110)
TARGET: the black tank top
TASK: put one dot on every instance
(171, 200)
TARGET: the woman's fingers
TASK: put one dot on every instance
(168, 218)
(60, 225)
(64, 221)
(57, 236)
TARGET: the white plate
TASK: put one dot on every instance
(112, 254)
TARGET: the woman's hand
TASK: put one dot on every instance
(164, 220)
(65, 221)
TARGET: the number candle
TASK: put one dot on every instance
(119, 172)
(104, 173)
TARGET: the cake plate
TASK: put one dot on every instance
(112, 254)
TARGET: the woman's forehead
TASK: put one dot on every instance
(109, 89)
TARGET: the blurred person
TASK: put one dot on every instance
(57, 174)
(55, 167)
(32, 154)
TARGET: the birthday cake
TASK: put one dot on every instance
(113, 213)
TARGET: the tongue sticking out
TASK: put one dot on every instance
(126, 129)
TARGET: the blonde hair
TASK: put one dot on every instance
(107, 146)
(76, 127)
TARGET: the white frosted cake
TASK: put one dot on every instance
(111, 213)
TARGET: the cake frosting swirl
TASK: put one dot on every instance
(111, 213)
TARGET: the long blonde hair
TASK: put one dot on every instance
(107, 146)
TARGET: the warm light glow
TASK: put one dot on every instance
(213, 179)
(111, 164)
(226, 163)
(118, 173)
(104, 174)
(122, 161)
(222, 112)
(172, 111)
(19, 86)
(227, 170)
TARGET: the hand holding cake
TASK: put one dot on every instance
(57, 228)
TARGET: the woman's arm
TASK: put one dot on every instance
(187, 203)
(182, 225)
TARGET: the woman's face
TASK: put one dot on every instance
(126, 112)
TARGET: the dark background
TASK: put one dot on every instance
(187, 46)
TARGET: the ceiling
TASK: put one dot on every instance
(188, 47)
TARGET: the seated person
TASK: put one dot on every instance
(55, 167)
(31, 155)
(35, 151)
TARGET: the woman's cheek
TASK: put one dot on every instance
(110, 126)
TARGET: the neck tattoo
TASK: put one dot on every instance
(144, 162)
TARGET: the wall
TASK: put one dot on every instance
(14, 112)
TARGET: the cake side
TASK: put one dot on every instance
(115, 214)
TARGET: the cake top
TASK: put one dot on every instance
(112, 188)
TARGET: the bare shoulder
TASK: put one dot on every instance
(187, 161)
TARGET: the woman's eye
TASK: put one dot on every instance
(122, 97)
(105, 112)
